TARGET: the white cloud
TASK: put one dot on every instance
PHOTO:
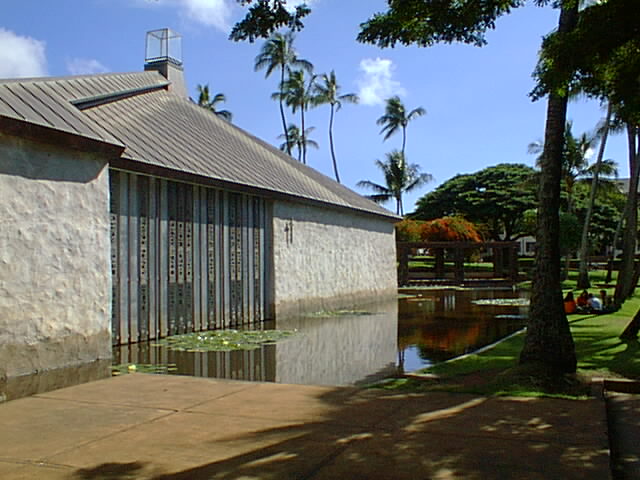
(85, 66)
(213, 13)
(21, 56)
(292, 4)
(376, 83)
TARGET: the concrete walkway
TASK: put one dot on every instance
(168, 427)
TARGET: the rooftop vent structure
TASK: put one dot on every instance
(163, 53)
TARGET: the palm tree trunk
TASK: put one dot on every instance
(304, 140)
(548, 341)
(625, 274)
(284, 120)
(583, 272)
(333, 153)
(404, 139)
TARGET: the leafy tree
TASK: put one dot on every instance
(265, 17)
(205, 101)
(495, 197)
(449, 229)
(296, 91)
(625, 283)
(278, 53)
(583, 271)
(399, 176)
(408, 230)
(607, 208)
(296, 139)
(328, 91)
(575, 161)
(396, 118)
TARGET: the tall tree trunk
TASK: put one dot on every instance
(284, 120)
(404, 138)
(625, 273)
(583, 272)
(333, 153)
(548, 341)
(304, 139)
(632, 330)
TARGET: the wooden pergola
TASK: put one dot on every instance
(504, 257)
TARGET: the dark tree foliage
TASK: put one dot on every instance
(265, 17)
(427, 22)
(495, 197)
(605, 57)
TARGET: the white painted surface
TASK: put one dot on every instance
(55, 283)
(325, 259)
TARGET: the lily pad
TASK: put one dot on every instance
(125, 368)
(339, 313)
(222, 340)
(503, 302)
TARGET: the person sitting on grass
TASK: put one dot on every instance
(583, 300)
(569, 303)
(595, 305)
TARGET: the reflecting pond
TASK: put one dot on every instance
(354, 347)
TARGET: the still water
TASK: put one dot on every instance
(422, 328)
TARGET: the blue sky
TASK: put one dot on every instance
(478, 112)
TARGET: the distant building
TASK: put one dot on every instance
(129, 213)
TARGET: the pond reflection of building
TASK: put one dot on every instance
(326, 350)
(253, 365)
(340, 350)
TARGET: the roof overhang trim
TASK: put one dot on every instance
(135, 166)
(42, 134)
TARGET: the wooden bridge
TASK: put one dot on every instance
(504, 256)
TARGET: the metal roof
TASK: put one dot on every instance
(160, 128)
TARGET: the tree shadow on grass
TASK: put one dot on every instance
(111, 471)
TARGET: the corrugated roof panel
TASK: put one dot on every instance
(60, 108)
(5, 109)
(24, 110)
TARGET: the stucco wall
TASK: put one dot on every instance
(54, 258)
(325, 259)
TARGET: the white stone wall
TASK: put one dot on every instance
(55, 279)
(326, 259)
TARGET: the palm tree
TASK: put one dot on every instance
(583, 273)
(205, 101)
(329, 92)
(399, 177)
(296, 92)
(296, 140)
(278, 53)
(395, 118)
(575, 162)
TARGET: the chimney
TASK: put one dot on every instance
(164, 54)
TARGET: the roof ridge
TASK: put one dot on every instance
(104, 98)
(73, 77)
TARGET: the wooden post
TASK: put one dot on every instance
(497, 261)
(459, 265)
(514, 262)
(439, 253)
(403, 265)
